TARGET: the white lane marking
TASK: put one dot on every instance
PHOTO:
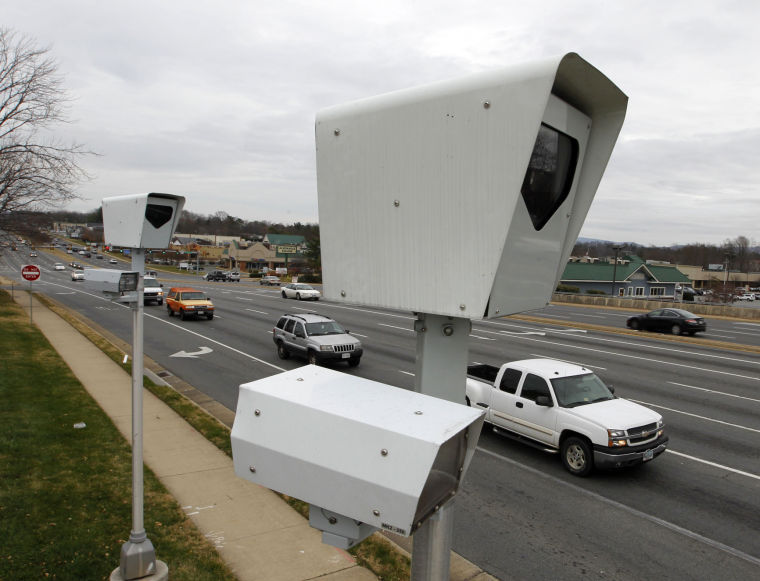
(194, 354)
(714, 465)
(516, 333)
(259, 312)
(643, 358)
(238, 351)
(406, 372)
(630, 510)
(705, 418)
(721, 336)
(650, 346)
(591, 316)
(482, 338)
(749, 324)
(394, 327)
(565, 331)
(714, 391)
(566, 361)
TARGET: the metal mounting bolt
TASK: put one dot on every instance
(418, 413)
(486, 104)
(343, 293)
(251, 469)
(256, 412)
(462, 307)
(396, 203)
(384, 452)
(336, 132)
(376, 512)
(332, 520)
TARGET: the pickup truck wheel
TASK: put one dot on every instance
(312, 357)
(210, 316)
(171, 313)
(353, 362)
(182, 314)
(676, 329)
(577, 456)
(282, 353)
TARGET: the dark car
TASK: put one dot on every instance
(676, 321)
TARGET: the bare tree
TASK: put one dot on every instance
(36, 170)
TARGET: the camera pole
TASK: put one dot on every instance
(441, 371)
(138, 557)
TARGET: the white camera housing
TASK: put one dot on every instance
(141, 220)
(380, 455)
(463, 198)
(117, 284)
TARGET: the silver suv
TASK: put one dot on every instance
(316, 338)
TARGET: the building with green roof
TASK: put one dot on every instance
(631, 277)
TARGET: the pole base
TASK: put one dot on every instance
(161, 574)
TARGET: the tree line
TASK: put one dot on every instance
(739, 253)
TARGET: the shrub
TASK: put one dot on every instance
(566, 288)
(594, 291)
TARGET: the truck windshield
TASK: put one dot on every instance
(580, 390)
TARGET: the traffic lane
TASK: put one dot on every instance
(717, 428)
(544, 524)
(729, 330)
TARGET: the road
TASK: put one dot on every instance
(692, 513)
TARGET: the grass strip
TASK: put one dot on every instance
(375, 553)
(65, 492)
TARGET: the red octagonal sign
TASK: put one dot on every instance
(30, 272)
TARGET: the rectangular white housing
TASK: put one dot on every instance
(141, 220)
(463, 198)
(378, 454)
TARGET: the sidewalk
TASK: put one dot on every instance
(257, 534)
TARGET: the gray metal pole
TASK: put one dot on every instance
(138, 557)
(441, 371)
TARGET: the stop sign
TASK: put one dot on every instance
(30, 272)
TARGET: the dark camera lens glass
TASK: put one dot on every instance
(158, 215)
(550, 174)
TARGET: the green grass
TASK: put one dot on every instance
(65, 493)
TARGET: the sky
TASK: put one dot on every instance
(216, 101)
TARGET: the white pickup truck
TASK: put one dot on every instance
(565, 408)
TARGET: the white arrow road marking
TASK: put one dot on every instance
(194, 354)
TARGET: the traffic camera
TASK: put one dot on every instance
(463, 198)
(141, 220)
(365, 455)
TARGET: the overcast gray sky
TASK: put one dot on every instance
(216, 100)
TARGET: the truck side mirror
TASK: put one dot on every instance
(544, 401)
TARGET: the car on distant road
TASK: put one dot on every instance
(216, 275)
(233, 276)
(59, 266)
(189, 302)
(745, 297)
(113, 261)
(675, 321)
(318, 339)
(33, 254)
(270, 280)
(77, 275)
(300, 291)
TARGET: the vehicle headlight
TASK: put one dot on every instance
(617, 438)
(325, 348)
(660, 428)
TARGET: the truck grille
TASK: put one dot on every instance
(642, 434)
(343, 348)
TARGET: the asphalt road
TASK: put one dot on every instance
(693, 513)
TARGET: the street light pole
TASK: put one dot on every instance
(617, 248)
